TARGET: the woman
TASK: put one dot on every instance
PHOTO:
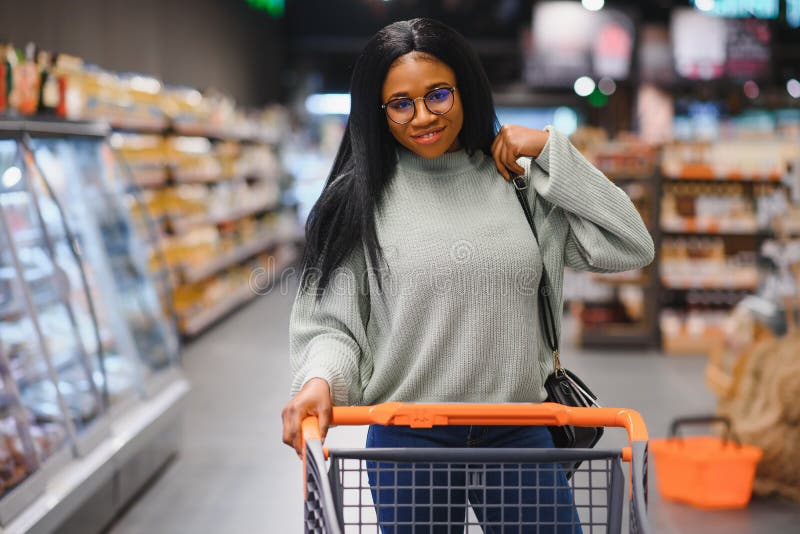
(420, 269)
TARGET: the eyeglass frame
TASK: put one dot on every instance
(452, 90)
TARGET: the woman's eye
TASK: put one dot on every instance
(400, 105)
(438, 95)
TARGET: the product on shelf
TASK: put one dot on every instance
(692, 332)
(761, 159)
(707, 208)
(701, 262)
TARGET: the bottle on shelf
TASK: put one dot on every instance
(3, 79)
(24, 96)
(49, 94)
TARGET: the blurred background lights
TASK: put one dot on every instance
(328, 104)
(584, 86)
(565, 120)
(793, 88)
(11, 177)
(751, 90)
(704, 5)
(607, 86)
(593, 5)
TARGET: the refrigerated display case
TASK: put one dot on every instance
(41, 248)
(57, 375)
(81, 174)
(88, 359)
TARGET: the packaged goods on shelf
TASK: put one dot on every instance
(707, 208)
(749, 159)
(203, 175)
(702, 263)
(146, 156)
(691, 332)
(625, 157)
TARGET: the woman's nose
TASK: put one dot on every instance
(422, 115)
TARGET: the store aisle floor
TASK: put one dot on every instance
(234, 476)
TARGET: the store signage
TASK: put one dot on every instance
(760, 9)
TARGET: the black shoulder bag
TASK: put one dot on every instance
(562, 386)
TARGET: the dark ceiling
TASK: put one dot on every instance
(325, 36)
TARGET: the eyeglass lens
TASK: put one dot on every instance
(438, 101)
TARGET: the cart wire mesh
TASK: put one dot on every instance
(393, 491)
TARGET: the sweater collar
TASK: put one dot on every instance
(448, 163)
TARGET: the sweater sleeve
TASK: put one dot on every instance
(606, 233)
(327, 339)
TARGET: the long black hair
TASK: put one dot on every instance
(344, 215)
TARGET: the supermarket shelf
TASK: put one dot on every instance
(711, 227)
(144, 125)
(686, 345)
(51, 128)
(61, 363)
(199, 322)
(152, 177)
(191, 275)
(220, 133)
(615, 280)
(706, 173)
(623, 177)
(79, 481)
(193, 325)
(708, 285)
(199, 177)
(618, 335)
(183, 225)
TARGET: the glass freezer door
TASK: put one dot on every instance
(80, 175)
(58, 376)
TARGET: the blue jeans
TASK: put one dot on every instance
(423, 497)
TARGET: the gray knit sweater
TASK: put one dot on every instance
(457, 319)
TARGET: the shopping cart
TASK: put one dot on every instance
(339, 498)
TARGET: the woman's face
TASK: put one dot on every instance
(414, 75)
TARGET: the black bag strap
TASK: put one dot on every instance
(546, 312)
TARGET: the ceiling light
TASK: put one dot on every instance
(607, 86)
(593, 5)
(584, 86)
(793, 88)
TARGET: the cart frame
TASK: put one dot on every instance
(323, 506)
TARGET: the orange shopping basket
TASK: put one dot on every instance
(346, 489)
(704, 471)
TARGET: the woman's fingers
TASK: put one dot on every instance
(504, 158)
(313, 399)
(497, 154)
(516, 167)
(288, 432)
(500, 167)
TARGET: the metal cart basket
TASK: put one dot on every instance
(348, 490)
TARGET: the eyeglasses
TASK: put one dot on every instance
(403, 110)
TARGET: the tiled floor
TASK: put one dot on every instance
(234, 475)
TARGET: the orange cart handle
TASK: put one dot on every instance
(429, 415)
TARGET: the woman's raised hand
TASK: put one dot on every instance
(514, 142)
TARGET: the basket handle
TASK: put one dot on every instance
(546, 413)
(705, 420)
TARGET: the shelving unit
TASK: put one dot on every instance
(712, 229)
(708, 210)
(216, 194)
